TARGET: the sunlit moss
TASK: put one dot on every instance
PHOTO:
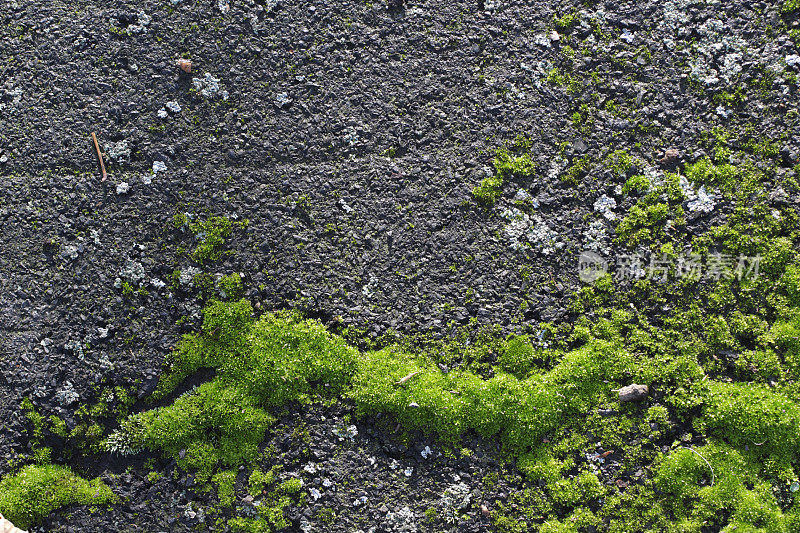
(37, 490)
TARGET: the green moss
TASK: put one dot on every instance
(638, 184)
(753, 416)
(620, 162)
(790, 6)
(259, 480)
(566, 21)
(647, 221)
(716, 487)
(562, 78)
(489, 190)
(518, 356)
(684, 338)
(507, 164)
(225, 481)
(451, 404)
(231, 287)
(260, 364)
(513, 161)
(577, 170)
(37, 490)
(209, 234)
(272, 503)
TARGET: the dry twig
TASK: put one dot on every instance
(99, 156)
(406, 378)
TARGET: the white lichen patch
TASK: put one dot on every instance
(209, 86)
(523, 229)
(697, 202)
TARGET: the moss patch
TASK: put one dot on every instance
(37, 490)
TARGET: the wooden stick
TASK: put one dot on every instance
(406, 378)
(99, 156)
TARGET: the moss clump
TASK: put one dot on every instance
(542, 404)
(637, 183)
(518, 357)
(577, 170)
(37, 490)
(655, 213)
(210, 235)
(225, 481)
(716, 487)
(518, 411)
(790, 6)
(230, 287)
(260, 364)
(489, 190)
(753, 416)
(513, 161)
(566, 21)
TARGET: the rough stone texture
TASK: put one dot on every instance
(350, 136)
(633, 393)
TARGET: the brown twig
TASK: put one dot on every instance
(406, 378)
(99, 156)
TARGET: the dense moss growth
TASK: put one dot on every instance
(510, 161)
(260, 364)
(266, 362)
(37, 490)
(714, 447)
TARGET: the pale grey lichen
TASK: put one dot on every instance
(525, 229)
(70, 252)
(455, 498)
(697, 202)
(627, 36)
(142, 22)
(350, 432)
(596, 238)
(119, 152)
(604, 206)
(719, 54)
(76, 347)
(186, 278)
(401, 521)
(282, 100)
(209, 86)
(371, 286)
(133, 271)
(66, 395)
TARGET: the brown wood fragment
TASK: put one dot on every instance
(406, 378)
(99, 156)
